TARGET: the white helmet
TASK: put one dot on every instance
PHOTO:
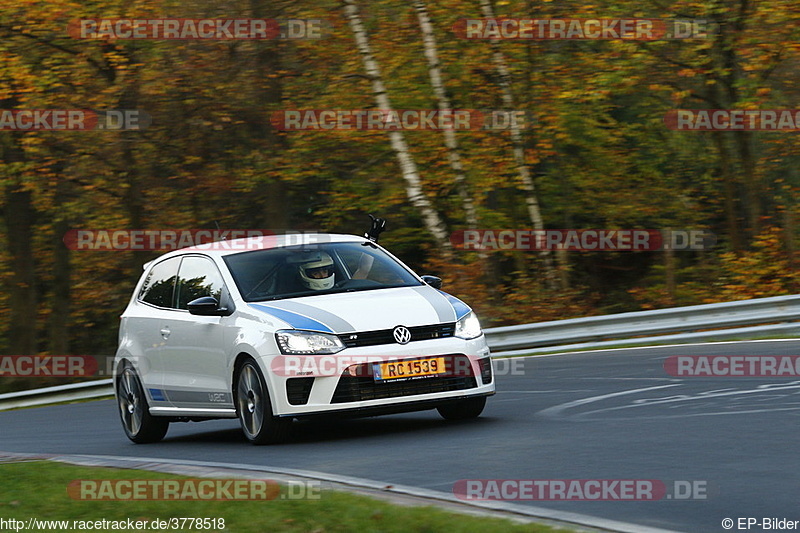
(317, 274)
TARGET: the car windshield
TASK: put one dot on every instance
(307, 270)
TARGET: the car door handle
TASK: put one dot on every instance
(165, 332)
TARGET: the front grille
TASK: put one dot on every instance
(384, 336)
(359, 385)
(298, 390)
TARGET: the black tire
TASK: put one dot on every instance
(139, 425)
(463, 409)
(254, 409)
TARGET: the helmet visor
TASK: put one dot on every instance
(320, 272)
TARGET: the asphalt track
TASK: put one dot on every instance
(609, 415)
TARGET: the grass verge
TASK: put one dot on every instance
(39, 490)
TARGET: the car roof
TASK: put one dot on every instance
(264, 242)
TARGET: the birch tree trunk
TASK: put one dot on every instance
(531, 199)
(450, 141)
(433, 222)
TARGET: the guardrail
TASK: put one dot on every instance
(764, 316)
(776, 315)
(59, 393)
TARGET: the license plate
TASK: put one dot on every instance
(409, 369)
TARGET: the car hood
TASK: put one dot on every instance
(370, 310)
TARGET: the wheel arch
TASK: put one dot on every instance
(120, 365)
(238, 362)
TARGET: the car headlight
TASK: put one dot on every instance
(468, 327)
(295, 342)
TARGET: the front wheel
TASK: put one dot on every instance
(463, 409)
(139, 425)
(254, 409)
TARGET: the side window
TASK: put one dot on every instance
(198, 277)
(160, 282)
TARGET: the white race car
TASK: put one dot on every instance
(268, 329)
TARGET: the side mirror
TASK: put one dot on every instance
(206, 306)
(433, 281)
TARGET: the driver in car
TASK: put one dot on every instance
(317, 275)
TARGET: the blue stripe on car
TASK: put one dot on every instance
(157, 395)
(296, 320)
(460, 307)
(335, 322)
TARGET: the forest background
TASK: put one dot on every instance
(597, 154)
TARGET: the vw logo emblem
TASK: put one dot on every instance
(402, 335)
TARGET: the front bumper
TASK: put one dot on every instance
(332, 393)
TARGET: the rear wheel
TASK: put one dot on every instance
(254, 409)
(463, 409)
(139, 425)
